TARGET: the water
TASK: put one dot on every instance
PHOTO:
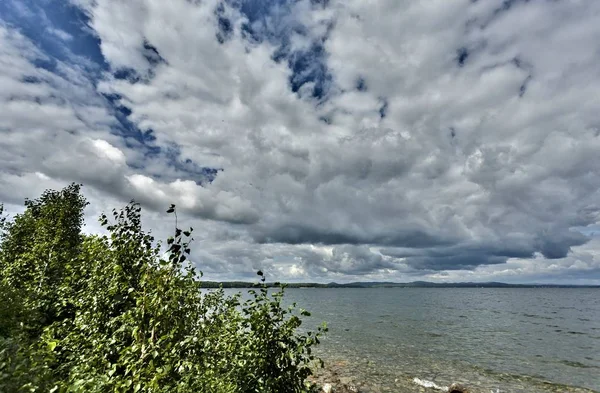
(506, 340)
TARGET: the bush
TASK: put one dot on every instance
(113, 314)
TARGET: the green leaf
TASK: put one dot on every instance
(52, 345)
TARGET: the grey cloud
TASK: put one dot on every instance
(469, 256)
(558, 245)
(344, 260)
(353, 260)
(298, 234)
(454, 262)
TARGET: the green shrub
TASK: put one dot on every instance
(113, 314)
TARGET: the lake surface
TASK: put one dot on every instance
(506, 340)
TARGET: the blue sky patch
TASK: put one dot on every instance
(273, 21)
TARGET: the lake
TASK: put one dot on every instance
(506, 340)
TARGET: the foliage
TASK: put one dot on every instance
(114, 314)
(38, 249)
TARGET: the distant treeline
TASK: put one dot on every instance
(414, 284)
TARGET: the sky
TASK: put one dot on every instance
(319, 140)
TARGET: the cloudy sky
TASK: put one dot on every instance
(319, 140)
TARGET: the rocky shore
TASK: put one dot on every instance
(337, 377)
(342, 376)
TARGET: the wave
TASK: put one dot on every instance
(432, 385)
(428, 384)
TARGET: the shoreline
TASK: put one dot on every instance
(341, 376)
(337, 377)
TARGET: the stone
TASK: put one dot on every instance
(327, 388)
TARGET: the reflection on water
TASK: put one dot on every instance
(515, 340)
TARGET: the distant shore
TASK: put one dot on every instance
(414, 284)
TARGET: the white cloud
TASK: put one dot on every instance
(486, 153)
(63, 35)
(108, 151)
(205, 201)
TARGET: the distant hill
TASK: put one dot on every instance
(375, 284)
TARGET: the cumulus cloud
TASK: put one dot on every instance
(326, 140)
(56, 125)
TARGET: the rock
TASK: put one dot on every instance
(457, 388)
(327, 388)
(346, 385)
